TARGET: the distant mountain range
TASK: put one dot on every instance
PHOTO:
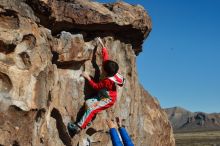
(183, 120)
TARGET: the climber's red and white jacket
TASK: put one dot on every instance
(108, 83)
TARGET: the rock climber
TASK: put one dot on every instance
(106, 90)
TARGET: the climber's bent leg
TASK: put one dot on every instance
(91, 102)
(93, 109)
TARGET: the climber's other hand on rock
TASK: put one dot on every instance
(85, 75)
(100, 41)
(111, 124)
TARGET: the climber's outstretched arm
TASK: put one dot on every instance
(97, 86)
(104, 50)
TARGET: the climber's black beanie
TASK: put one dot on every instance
(110, 67)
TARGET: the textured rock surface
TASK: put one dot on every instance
(44, 47)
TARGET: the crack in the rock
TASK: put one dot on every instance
(125, 34)
(65, 138)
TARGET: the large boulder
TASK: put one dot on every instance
(45, 45)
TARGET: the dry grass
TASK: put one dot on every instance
(207, 138)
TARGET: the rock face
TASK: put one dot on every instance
(44, 47)
(186, 121)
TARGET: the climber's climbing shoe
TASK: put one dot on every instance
(73, 127)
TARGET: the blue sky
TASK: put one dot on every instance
(180, 62)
